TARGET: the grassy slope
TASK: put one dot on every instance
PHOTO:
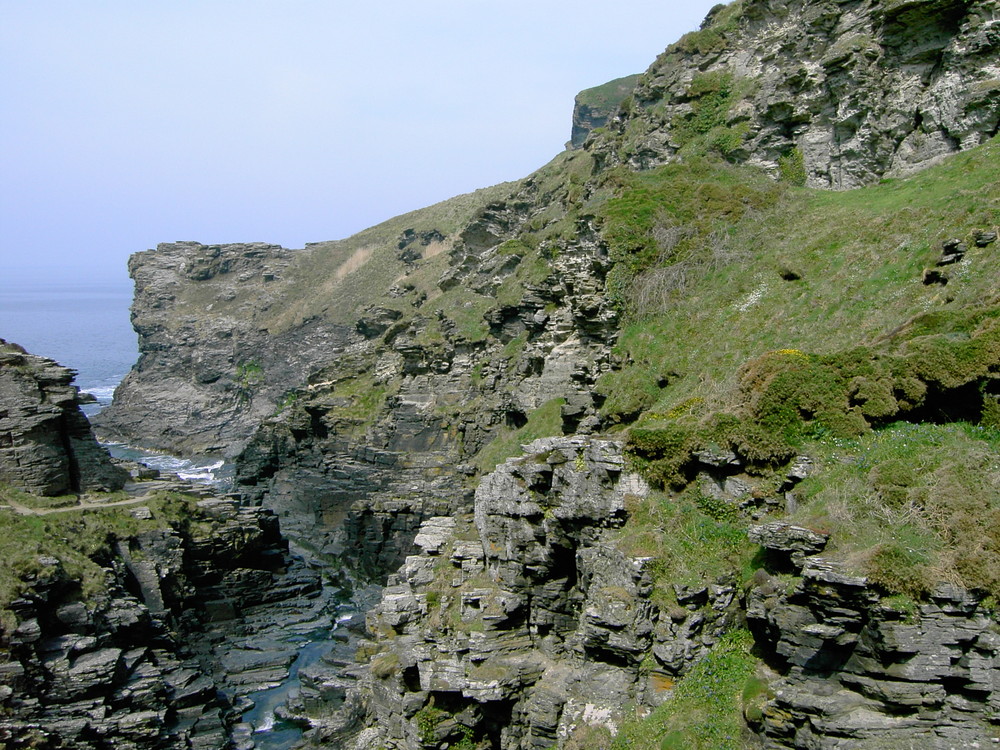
(805, 282)
(607, 96)
(337, 280)
(320, 286)
(859, 256)
(80, 540)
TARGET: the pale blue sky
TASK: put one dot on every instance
(127, 123)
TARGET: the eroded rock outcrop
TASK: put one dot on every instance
(857, 670)
(159, 657)
(593, 107)
(851, 91)
(208, 369)
(524, 624)
(46, 444)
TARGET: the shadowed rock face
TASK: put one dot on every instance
(208, 372)
(46, 445)
(160, 658)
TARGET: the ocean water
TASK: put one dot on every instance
(86, 326)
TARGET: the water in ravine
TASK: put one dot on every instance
(86, 327)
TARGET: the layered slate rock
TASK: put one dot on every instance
(159, 658)
(525, 623)
(858, 90)
(860, 672)
(207, 372)
(46, 444)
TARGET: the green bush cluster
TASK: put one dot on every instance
(663, 452)
(695, 199)
(712, 96)
(787, 397)
(723, 20)
(794, 394)
(792, 167)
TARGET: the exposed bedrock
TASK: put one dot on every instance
(46, 444)
(187, 624)
(209, 371)
(523, 622)
(856, 671)
(524, 625)
(860, 90)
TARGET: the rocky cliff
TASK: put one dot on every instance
(594, 107)
(46, 445)
(207, 371)
(530, 624)
(856, 90)
(709, 349)
(142, 660)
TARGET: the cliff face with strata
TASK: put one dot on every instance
(46, 444)
(862, 90)
(380, 390)
(207, 373)
(527, 625)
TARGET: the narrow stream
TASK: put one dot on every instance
(270, 732)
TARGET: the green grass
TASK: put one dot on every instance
(815, 336)
(694, 539)
(81, 541)
(705, 711)
(859, 256)
(910, 505)
(607, 96)
(545, 421)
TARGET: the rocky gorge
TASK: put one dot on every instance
(685, 440)
(149, 617)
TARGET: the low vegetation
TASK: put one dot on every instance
(705, 710)
(910, 504)
(74, 543)
(544, 421)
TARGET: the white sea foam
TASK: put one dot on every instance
(204, 470)
(102, 393)
(267, 724)
(200, 473)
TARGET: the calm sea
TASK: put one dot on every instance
(86, 326)
(82, 326)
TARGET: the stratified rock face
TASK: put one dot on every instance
(861, 89)
(530, 624)
(207, 373)
(857, 672)
(594, 107)
(159, 658)
(46, 445)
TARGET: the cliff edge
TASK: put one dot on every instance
(46, 444)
